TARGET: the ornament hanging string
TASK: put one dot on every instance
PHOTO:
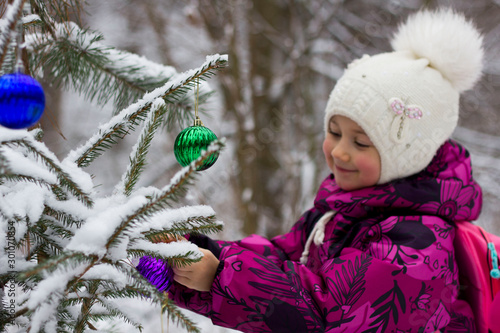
(19, 68)
(191, 141)
(197, 97)
(197, 120)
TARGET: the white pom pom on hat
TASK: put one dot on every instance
(452, 45)
(407, 100)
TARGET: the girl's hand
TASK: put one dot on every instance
(199, 275)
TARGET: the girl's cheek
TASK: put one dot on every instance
(327, 153)
(370, 166)
(325, 148)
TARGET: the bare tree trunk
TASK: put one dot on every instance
(247, 84)
(50, 121)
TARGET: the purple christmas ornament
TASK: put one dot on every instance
(22, 101)
(157, 271)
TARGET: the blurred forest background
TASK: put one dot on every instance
(284, 59)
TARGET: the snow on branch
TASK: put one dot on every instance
(138, 154)
(71, 177)
(107, 272)
(54, 283)
(35, 185)
(120, 124)
(76, 57)
(21, 165)
(31, 19)
(93, 237)
(179, 249)
(169, 218)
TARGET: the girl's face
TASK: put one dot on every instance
(350, 154)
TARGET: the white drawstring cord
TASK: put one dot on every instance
(317, 234)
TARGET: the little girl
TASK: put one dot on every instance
(375, 253)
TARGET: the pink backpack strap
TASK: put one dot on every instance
(494, 319)
(477, 260)
(494, 314)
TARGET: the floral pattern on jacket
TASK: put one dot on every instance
(386, 264)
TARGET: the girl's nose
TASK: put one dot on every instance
(340, 152)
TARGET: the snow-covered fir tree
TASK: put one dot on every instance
(66, 253)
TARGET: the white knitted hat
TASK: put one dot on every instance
(407, 100)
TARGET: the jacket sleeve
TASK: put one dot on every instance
(284, 247)
(381, 288)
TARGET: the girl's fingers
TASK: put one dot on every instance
(199, 275)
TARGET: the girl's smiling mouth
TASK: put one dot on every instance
(340, 169)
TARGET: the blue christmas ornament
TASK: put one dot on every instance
(22, 101)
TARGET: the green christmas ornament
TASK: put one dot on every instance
(191, 141)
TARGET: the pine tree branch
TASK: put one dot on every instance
(9, 175)
(140, 286)
(41, 242)
(65, 320)
(180, 260)
(44, 312)
(66, 9)
(177, 316)
(120, 124)
(113, 312)
(17, 178)
(58, 230)
(61, 217)
(138, 155)
(64, 178)
(87, 303)
(161, 200)
(39, 7)
(75, 57)
(52, 11)
(22, 169)
(4, 165)
(55, 296)
(52, 263)
(197, 224)
(181, 112)
(13, 15)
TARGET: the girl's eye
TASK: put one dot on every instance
(362, 145)
(335, 134)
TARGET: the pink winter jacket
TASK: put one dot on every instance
(386, 264)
